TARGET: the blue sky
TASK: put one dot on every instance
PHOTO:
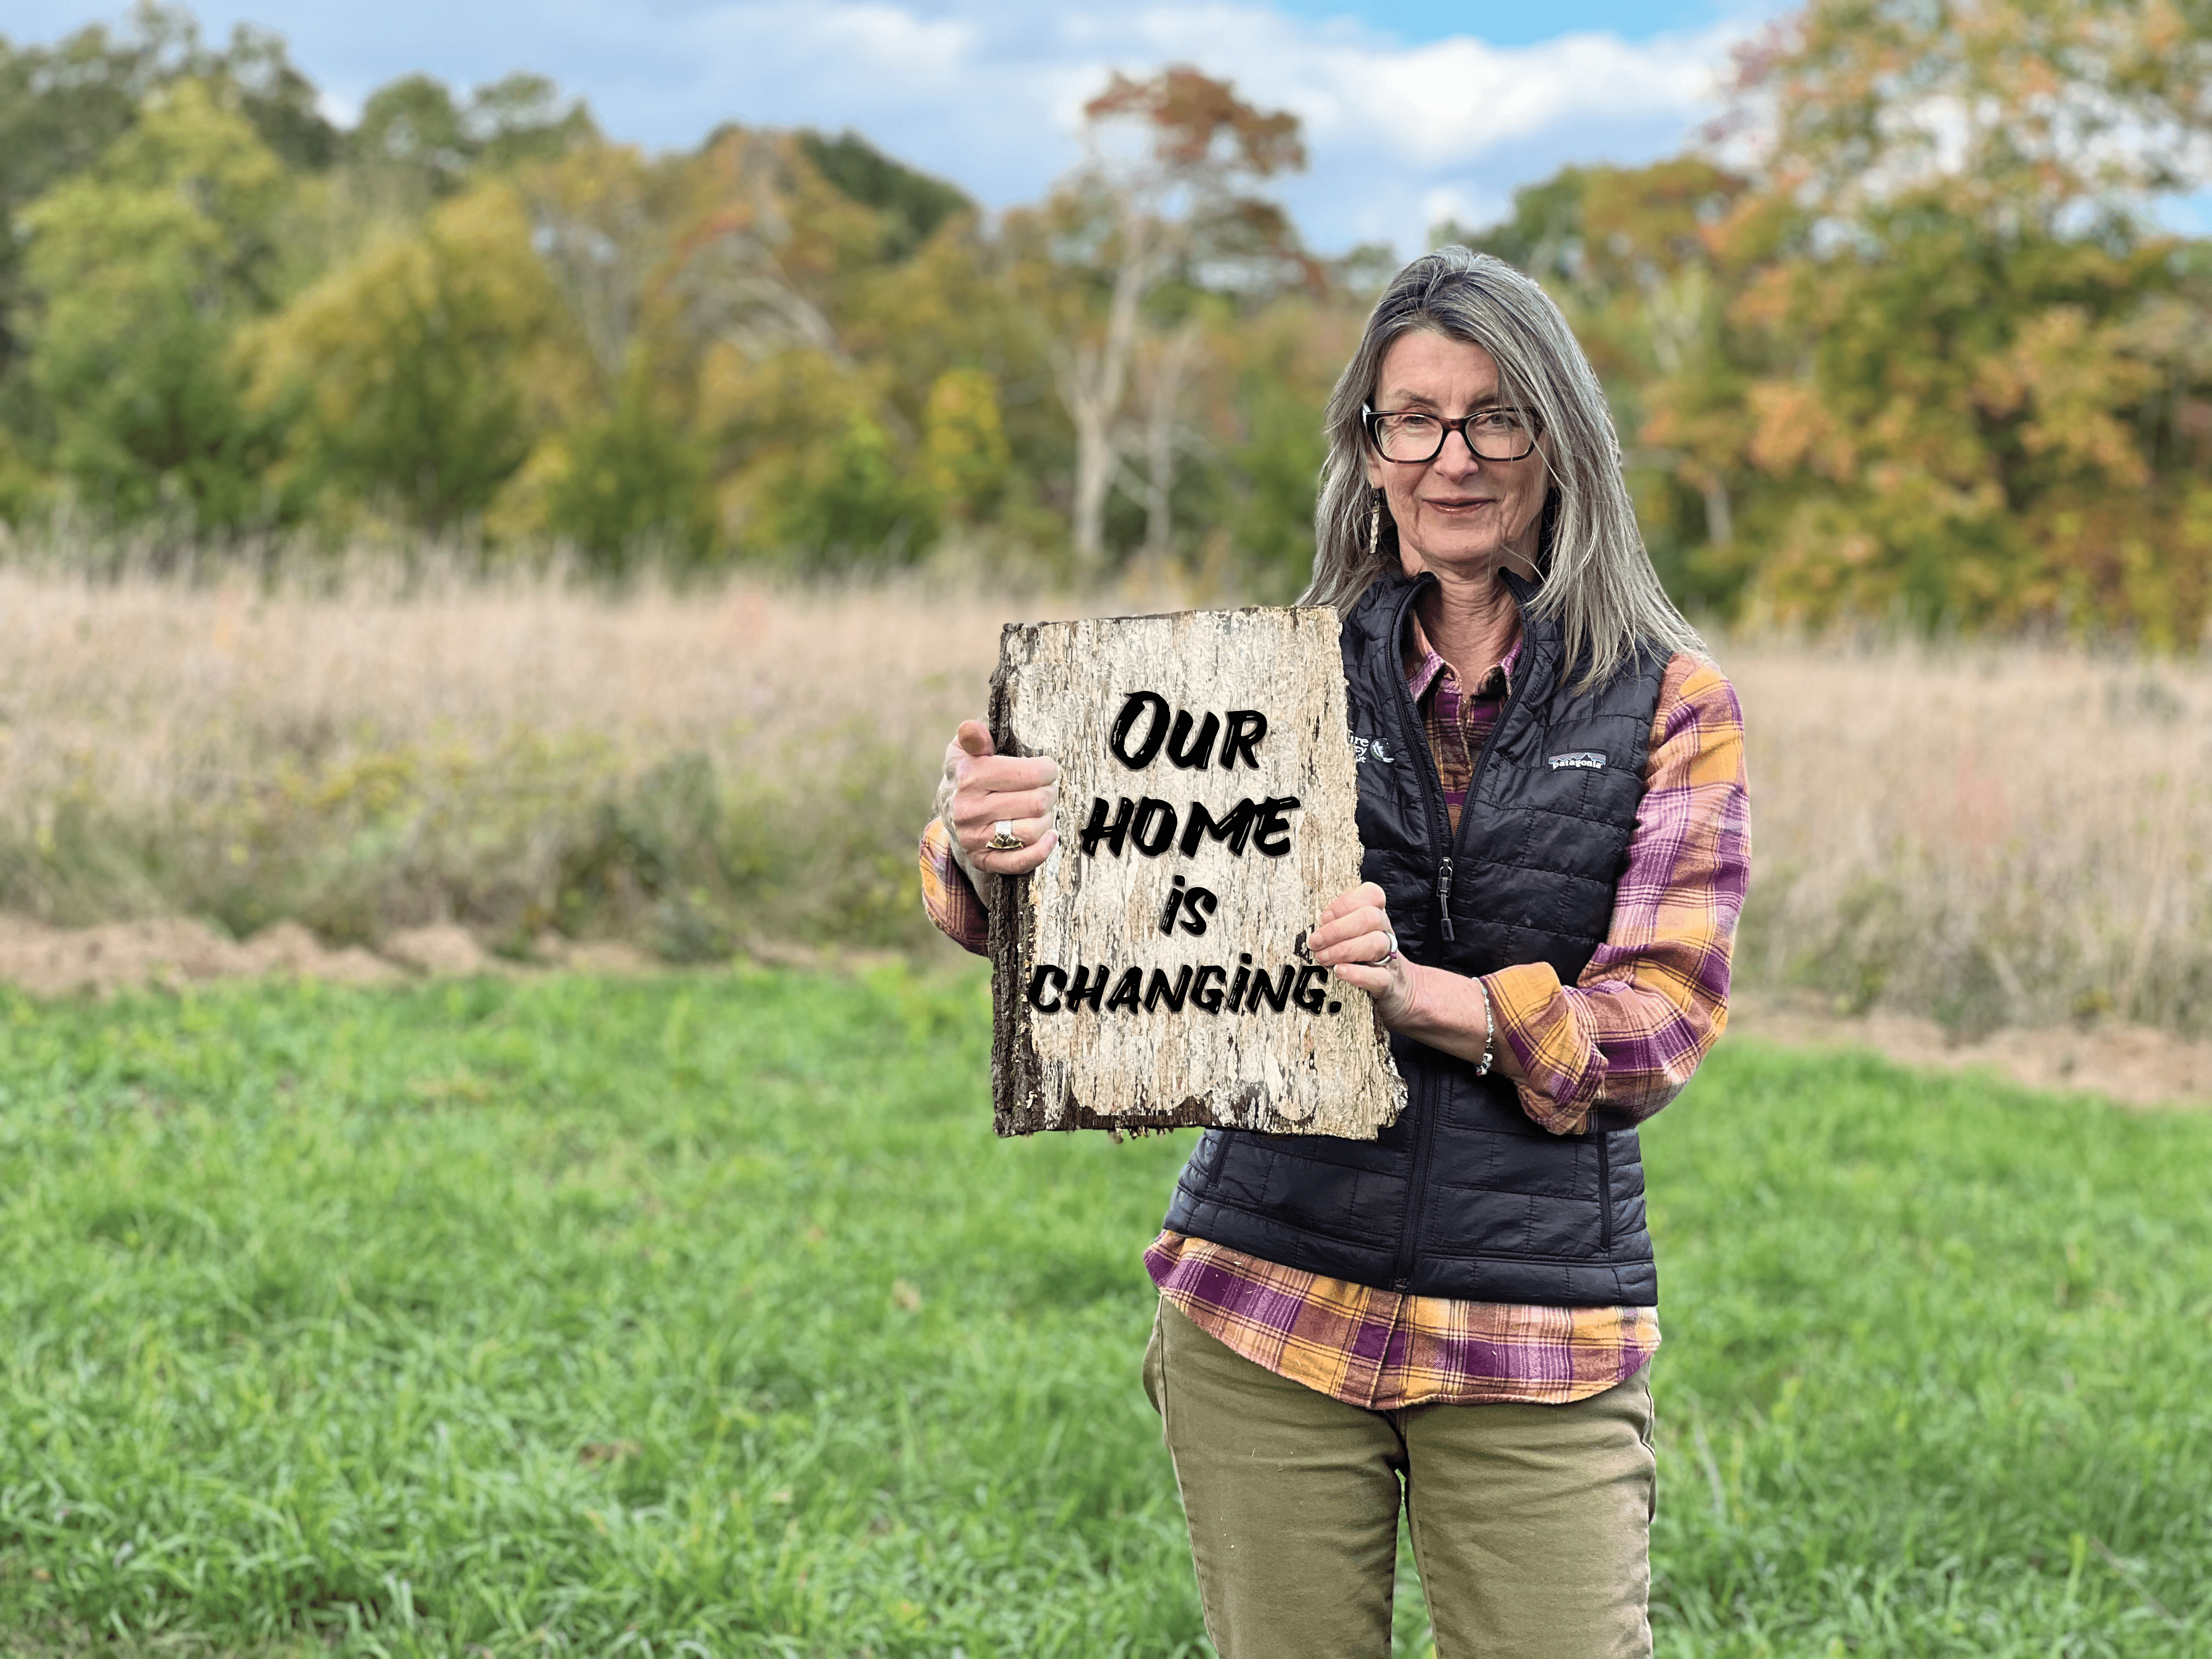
(1413, 111)
(1524, 25)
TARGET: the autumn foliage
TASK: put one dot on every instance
(1923, 350)
(1903, 336)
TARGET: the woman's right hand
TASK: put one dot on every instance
(983, 789)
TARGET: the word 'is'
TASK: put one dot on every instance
(1211, 989)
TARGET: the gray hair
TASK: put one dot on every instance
(1597, 578)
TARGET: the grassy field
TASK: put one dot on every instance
(704, 1316)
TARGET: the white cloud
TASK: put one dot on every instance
(774, 49)
(1461, 205)
(1444, 101)
(991, 97)
(989, 93)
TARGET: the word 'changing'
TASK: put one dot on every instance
(1209, 988)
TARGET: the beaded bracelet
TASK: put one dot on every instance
(1489, 1031)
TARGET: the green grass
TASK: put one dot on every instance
(705, 1315)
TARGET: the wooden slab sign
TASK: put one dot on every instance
(1153, 971)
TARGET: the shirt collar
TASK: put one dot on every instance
(1424, 665)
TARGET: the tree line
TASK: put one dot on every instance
(1900, 336)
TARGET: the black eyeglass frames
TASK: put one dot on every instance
(1413, 436)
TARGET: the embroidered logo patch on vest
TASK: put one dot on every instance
(1364, 747)
(1588, 759)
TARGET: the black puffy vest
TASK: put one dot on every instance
(1464, 1196)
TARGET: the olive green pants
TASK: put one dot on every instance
(1530, 1523)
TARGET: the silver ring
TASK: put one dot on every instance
(1390, 955)
(1003, 838)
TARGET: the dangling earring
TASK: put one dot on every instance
(1375, 523)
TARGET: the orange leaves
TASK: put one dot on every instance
(2066, 376)
(1196, 122)
(2164, 29)
(1970, 384)
(2034, 105)
(1660, 217)
(1794, 429)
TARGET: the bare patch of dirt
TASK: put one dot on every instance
(173, 951)
(53, 961)
(442, 948)
(597, 956)
(2135, 1064)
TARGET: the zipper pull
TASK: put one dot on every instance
(1443, 896)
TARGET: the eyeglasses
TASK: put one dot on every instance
(1412, 437)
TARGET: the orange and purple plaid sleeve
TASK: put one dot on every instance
(946, 896)
(1654, 997)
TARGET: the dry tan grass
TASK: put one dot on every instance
(511, 755)
(1986, 835)
(1982, 836)
(156, 691)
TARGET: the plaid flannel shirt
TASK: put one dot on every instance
(1626, 1036)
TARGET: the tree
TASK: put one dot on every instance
(913, 203)
(817, 348)
(629, 480)
(1976, 390)
(1164, 193)
(1921, 349)
(965, 444)
(629, 475)
(420, 145)
(728, 298)
(1643, 262)
(603, 220)
(140, 267)
(63, 107)
(2018, 112)
(419, 378)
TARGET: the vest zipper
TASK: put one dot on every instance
(1482, 758)
(1473, 778)
(1604, 1193)
(1418, 739)
(1416, 734)
(1408, 1240)
(1415, 737)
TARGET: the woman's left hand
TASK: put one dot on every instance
(1356, 941)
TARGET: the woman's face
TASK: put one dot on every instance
(1457, 515)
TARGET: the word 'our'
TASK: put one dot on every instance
(1149, 825)
(1246, 728)
(1209, 988)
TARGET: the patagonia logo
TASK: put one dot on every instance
(1587, 759)
(1364, 748)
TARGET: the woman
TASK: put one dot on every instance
(1459, 1316)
